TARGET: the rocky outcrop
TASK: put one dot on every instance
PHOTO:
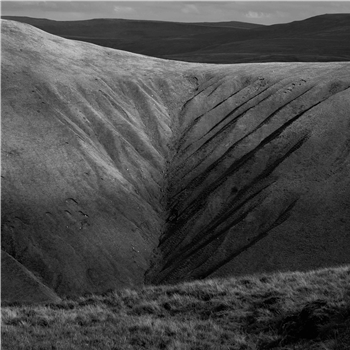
(120, 169)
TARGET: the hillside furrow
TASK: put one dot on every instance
(280, 219)
(224, 161)
(219, 224)
(215, 197)
(206, 145)
(209, 181)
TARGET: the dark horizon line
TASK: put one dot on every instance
(162, 21)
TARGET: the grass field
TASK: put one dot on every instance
(281, 311)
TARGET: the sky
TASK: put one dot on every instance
(263, 12)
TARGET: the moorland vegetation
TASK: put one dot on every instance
(292, 310)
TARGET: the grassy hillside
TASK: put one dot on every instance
(281, 311)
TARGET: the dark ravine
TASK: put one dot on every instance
(120, 169)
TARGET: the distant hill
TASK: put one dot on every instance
(154, 38)
(317, 39)
(230, 24)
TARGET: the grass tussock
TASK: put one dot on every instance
(281, 311)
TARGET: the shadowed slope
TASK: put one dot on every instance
(218, 170)
(20, 285)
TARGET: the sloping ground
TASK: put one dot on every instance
(260, 179)
(85, 135)
(109, 156)
(20, 285)
(321, 38)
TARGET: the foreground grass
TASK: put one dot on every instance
(281, 311)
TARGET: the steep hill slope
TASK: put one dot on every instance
(260, 179)
(316, 39)
(84, 148)
(119, 168)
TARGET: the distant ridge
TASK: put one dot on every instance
(230, 24)
(321, 38)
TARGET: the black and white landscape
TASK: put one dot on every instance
(130, 158)
(215, 170)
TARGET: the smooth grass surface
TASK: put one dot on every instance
(281, 311)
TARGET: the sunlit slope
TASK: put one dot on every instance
(260, 179)
(119, 168)
(85, 133)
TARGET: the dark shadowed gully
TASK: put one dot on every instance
(120, 169)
